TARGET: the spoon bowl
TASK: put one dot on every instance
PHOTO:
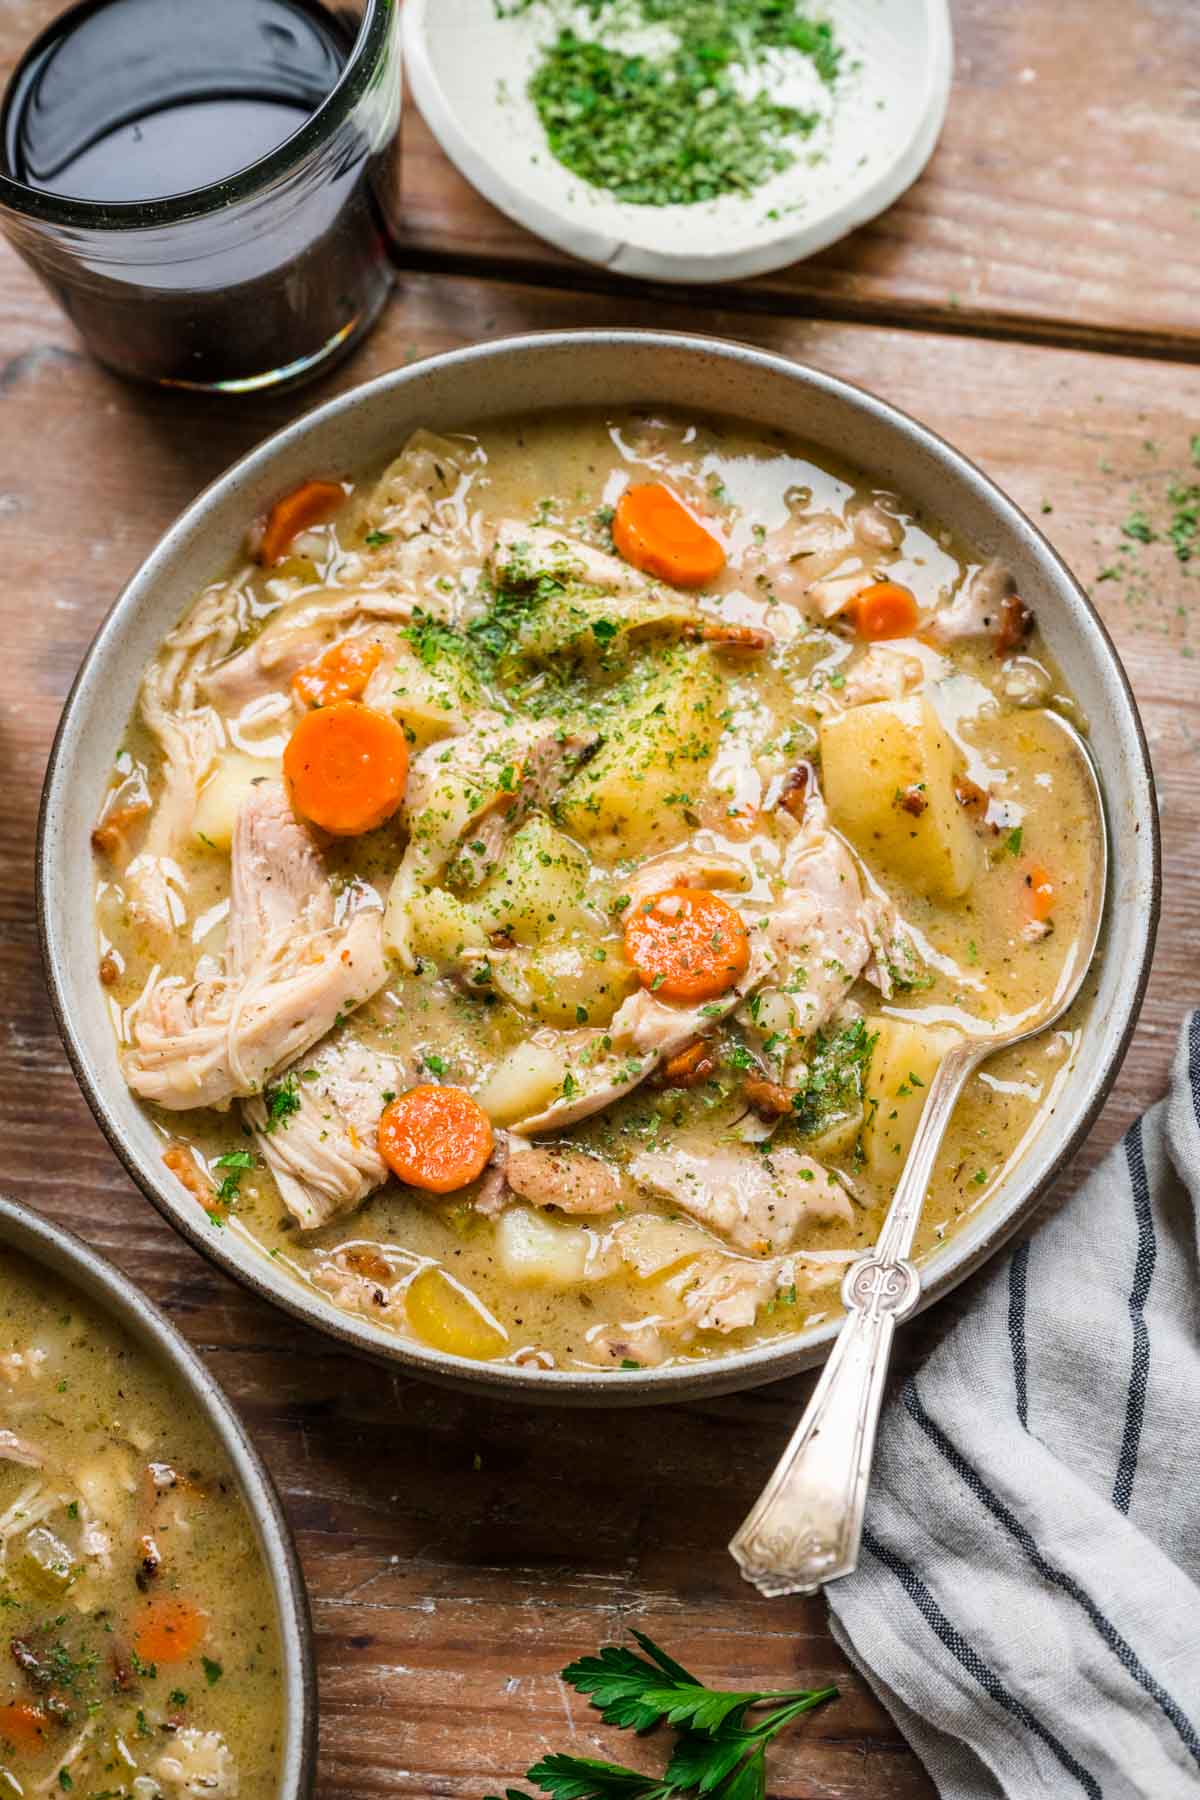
(806, 1526)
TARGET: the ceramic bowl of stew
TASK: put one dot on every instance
(157, 1614)
(648, 377)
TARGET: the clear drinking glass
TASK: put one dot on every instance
(263, 277)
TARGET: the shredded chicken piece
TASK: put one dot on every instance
(834, 593)
(986, 606)
(757, 1203)
(818, 935)
(686, 868)
(707, 1288)
(619, 1345)
(802, 550)
(325, 1155)
(293, 965)
(200, 1764)
(877, 528)
(21, 1365)
(14, 1449)
(879, 674)
(569, 1179)
(358, 1285)
(189, 734)
(34, 1503)
(53, 1783)
(491, 1195)
(419, 492)
(522, 552)
(299, 633)
(723, 1294)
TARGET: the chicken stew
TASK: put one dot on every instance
(142, 1648)
(541, 878)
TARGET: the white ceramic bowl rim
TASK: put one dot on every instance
(64, 1255)
(556, 356)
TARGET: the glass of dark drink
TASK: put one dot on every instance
(209, 188)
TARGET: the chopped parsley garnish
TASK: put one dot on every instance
(837, 1074)
(378, 538)
(685, 123)
(1012, 842)
(237, 1162)
(431, 640)
(282, 1100)
(213, 1671)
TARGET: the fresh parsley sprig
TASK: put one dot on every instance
(629, 1690)
(720, 1754)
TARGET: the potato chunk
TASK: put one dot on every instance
(537, 1252)
(539, 889)
(441, 927)
(524, 1082)
(446, 1318)
(578, 982)
(888, 775)
(225, 792)
(632, 796)
(903, 1063)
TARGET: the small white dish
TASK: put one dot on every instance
(470, 70)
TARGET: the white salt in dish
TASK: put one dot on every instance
(470, 70)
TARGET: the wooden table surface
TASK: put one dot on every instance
(1036, 298)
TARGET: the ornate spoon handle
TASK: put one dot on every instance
(805, 1528)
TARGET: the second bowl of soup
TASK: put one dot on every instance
(154, 1618)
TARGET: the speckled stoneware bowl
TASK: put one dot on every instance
(116, 1297)
(456, 392)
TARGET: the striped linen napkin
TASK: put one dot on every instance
(1027, 1606)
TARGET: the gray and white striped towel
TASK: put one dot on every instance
(1028, 1601)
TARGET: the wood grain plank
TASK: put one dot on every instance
(1062, 203)
(447, 1595)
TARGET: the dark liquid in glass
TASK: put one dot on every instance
(142, 101)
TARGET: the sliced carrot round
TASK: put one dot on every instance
(436, 1138)
(655, 532)
(168, 1629)
(24, 1726)
(310, 504)
(341, 674)
(346, 766)
(885, 610)
(686, 944)
(1040, 888)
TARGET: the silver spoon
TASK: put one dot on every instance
(806, 1526)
